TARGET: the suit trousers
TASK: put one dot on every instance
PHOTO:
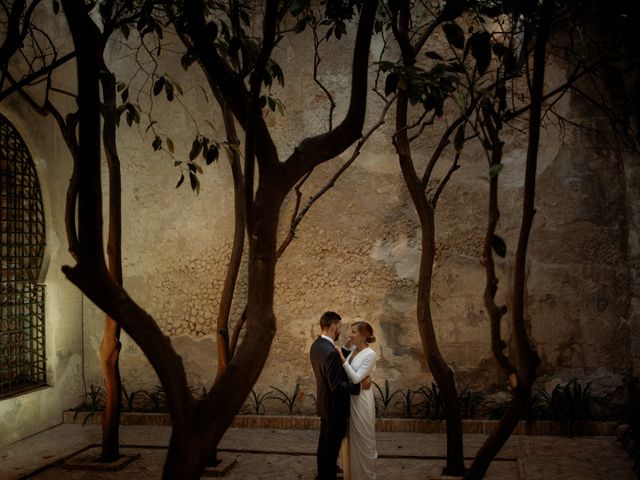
(331, 435)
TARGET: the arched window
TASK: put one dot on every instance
(22, 242)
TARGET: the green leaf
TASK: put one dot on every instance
(499, 49)
(301, 25)
(277, 72)
(329, 33)
(181, 180)
(195, 183)
(196, 148)
(170, 145)
(391, 83)
(454, 34)
(495, 170)
(194, 167)
(453, 9)
(121, 86)
(480, 44)
(299, 6)
(433, 55)
(272, 104)
(177, 163)
(125, 95)
(499, 246)
(119, 111)
(186, 60)
(168, 88)
(212, 154)
(157, 143)
(158, 86)
(458, 141)
(212, 30)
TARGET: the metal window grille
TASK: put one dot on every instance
(22, 242)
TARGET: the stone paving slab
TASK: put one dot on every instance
(290, 454)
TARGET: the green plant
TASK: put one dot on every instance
(156, 399)
(129, 399)
(289, 400)
(570, 402)
(470, 402)
(257, 401)
(532, 411)
(433, 401)
(408, 407)
(92, 402)
(199, 392)
(383, 401)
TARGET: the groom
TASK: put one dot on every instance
(332, 400)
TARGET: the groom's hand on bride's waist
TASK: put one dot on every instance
(366, 383)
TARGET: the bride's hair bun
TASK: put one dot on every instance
(366, 330)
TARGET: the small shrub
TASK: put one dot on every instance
(92, 402)
(408, 406)
(156, 401)
(288, 400)
(257, 401)
(433, 407)
(470, 402)
(129, 403)
(384, 398)
(570, 402)
(532, 411)
(199, 392)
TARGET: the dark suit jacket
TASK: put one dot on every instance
(334, 388)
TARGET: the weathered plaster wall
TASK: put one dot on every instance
(26, 414)
(630, 163)
(357, 250)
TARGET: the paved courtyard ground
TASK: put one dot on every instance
(289, 454)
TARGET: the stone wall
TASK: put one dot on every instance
(356, 252)
(25, 414)
(358, 249)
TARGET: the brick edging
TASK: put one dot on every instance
(283, 422)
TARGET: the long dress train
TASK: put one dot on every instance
(360, 445)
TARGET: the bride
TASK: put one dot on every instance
(359, 456)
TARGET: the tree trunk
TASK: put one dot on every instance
(109, 354)
(491, 121)
(441, 371)
(110, 345)
(197, 426)
(193, 443)
(237, 248)
(528, 359)
(442, 374)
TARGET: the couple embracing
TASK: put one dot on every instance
(344, 390)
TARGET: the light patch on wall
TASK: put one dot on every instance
(512, 175)
(377, 163)
(401, 255)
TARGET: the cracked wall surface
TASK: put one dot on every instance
(356, 252)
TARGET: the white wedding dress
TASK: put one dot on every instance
(360, 445)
